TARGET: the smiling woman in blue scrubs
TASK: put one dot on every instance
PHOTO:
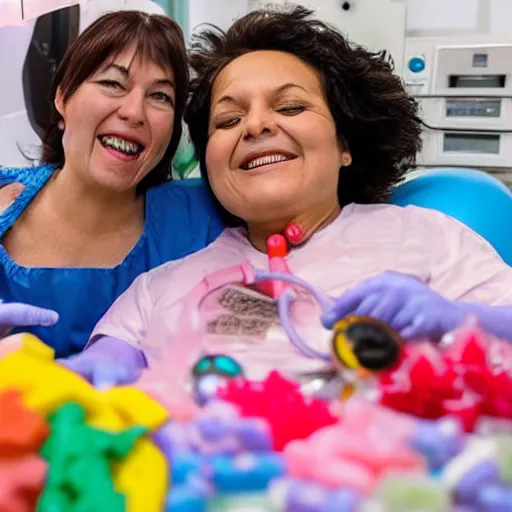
(102, 211)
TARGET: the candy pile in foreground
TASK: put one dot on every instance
(70, 447)
(261, 446)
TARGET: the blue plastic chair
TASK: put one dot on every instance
(473, 197)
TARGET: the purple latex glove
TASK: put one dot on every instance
(22, 315)
(108, 362)
(403, 302)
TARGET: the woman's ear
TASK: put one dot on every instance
(345, 156)
(59, 102)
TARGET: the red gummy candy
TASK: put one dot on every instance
(22, 431)
(470, 377)
(290, 414)
(421, 383)
(468, 348)
(466, 409)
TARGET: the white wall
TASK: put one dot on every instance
(363, 22)
(221, 13)
(446, 16)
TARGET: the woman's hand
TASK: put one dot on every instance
(101, 372)
(107, 362)
(403, 302)
(22, 315)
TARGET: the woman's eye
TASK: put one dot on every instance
(163, 97)
(291, 110)
(111, 84)
(228, 123)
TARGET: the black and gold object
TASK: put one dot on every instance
(363, 343)
(362, 346)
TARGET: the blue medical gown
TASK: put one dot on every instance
(180, 219)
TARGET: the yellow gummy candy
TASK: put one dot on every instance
(143, 477)
(136, 408)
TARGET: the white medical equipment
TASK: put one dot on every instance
(464, 87)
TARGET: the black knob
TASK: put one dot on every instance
(345, 6)
(375, 345)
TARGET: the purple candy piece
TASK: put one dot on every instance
(436, 444)
(220, 410)
(213, 429)
(303, 496)
(343, 500)
(482, 475)
(164, 441)
(227, 444)
(494, 498)
(254, 435)
(175, 434)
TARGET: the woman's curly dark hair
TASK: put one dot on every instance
(375, 118)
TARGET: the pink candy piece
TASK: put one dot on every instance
(21, 483)
(10, 344)
(375, 451)
(303, 462)
(362, 415)
(340, 473)
(299, 458)
(170, 394)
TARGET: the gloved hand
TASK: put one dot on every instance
(23, 315)
(403, 302)
(107, 362)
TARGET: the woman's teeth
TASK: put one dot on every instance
(130, 148)
(265, 160)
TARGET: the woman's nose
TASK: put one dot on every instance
(132, 108)
(259, 122)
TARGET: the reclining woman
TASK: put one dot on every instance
(293, 124)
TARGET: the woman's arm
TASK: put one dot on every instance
(495, 320)
(414, 310)
(114, 354)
